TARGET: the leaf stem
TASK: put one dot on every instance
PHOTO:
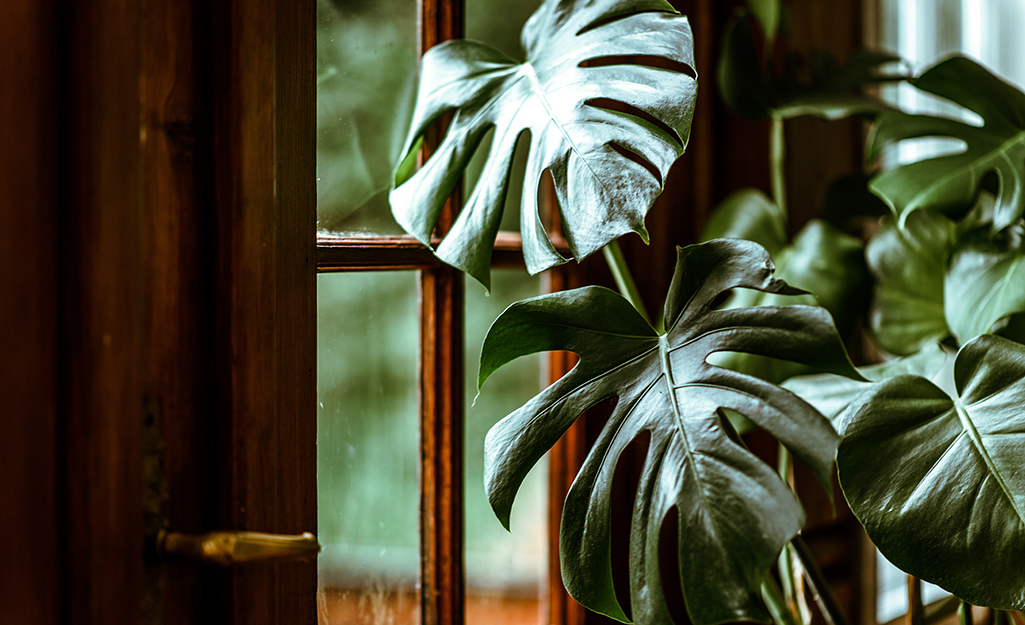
(774, 601)
(777, 164)
(916, 608)
(820, 588)
(786, 564)
(624, 279)
(964, 613)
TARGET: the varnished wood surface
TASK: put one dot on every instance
(178, 234)
(102, 313)
(442, 583)
(339, 253)
(30, 583)
(265, 446)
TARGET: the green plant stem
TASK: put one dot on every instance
(964, 613)
(624, 279)
(916, 609)
(941, 609)
(774, 601)
(777, 164)
(786, 564)
(820, 588)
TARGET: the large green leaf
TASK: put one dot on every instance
(752, 87)
(951, 183)
(821, 260)
(769, 14)
(939, 482)
(908, 265)
(606, 96)
(986, 280)
(735, 513)
(833, 394)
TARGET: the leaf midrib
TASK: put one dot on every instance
(542, 96)
(972, 166)
(667, 375)
(973, 435)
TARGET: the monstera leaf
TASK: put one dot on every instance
(908, 265)
(951, 183)
(821, 259)
(752, 88)
(606, 96)
(735, 514)
(938, 482)
(833, 394)
(986, 280)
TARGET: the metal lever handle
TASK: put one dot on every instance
(231, 548)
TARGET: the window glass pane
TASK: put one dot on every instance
(367, 449)
(366, 66)
(505, 572)
(499, 26)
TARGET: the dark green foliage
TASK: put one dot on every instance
(607, 127)
(753, 88)
(735, 513)
(938, 481)
(951, 183)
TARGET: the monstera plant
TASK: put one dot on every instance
(930, 442)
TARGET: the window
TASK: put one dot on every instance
(391, 319)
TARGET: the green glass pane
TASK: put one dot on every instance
(505, 572)
(366, 67)
(499, 25)
(367, 449)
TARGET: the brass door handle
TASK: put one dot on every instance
(231, 548)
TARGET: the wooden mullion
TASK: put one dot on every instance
(441, 447)
(442, 583)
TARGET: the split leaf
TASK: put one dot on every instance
(606, 96)
(951, 183)
(735, 514)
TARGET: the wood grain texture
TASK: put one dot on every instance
(30, 584)
(103, 312)
(442, 387)
(264, 138)
(337, 253)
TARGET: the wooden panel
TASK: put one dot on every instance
(179, 242)
(266, 341)
(102, 313)
(30, 588)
